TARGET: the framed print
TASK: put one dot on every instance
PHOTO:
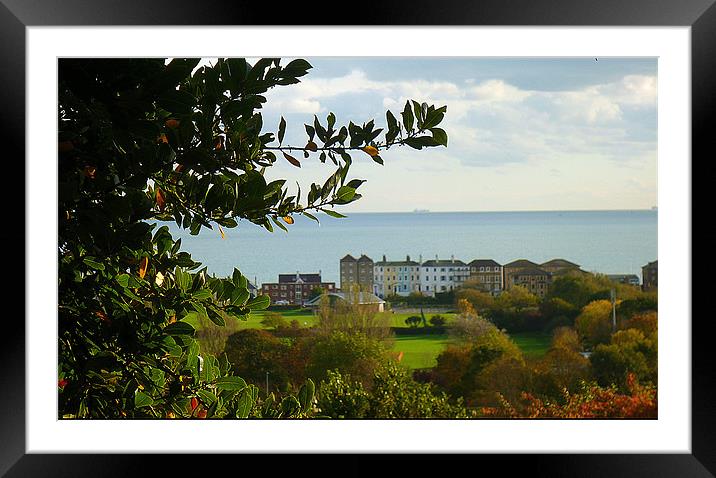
(593, 83)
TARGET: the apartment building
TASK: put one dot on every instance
(487, 274)
(356, 272)
(296, 288)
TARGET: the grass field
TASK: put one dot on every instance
(533, 345)
(420, 351)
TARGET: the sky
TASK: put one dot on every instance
(524, 133)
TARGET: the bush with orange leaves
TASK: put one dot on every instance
(592, 402)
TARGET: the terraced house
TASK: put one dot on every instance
(442, 275)
(396, 277)
(487, 274)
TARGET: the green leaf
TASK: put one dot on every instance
(216, 317)
(408, 117)
(290, 406)
(123, 280)
(306, 394)
(259, 302)
(439, 135)
(239, 296)
(200, 308)
(345, 193)
(244, 404)
(141, 399)
(201, 294)
(177, 101)
(179, 328)
(281, 130)
(93, 264)
(230, 383)
(333, 213)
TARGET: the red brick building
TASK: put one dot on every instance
(295, 288)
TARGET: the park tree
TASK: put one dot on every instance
(353, 353)
(516, 298)
(629, 353)
(143, 141)
(594, 323)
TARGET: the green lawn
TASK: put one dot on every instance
(305, 317)
(532, 344)
(420, 351)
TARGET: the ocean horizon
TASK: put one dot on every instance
(604, 241)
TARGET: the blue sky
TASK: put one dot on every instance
(524, 133)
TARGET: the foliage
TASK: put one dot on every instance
(579, 289)
(468, 368)
(438, 321)
(629, 353)
(393, 394)
(352, 353)
(517, 298)
(632, 307)
(274, 320)
(413, 321)
(255, 352)
(594, 323)
(593, 401)
(563, 367)
(479, 299)
(646, 322)
(558, 312)
(341, 397)
(144, 140)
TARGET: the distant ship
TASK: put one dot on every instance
(421, 210)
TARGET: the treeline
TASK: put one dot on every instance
(482, 373)
(517, 310)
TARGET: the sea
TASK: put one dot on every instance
(609, 242)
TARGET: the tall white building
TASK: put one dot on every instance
(442, 275)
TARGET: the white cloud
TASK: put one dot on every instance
(572, 140)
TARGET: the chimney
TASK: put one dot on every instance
(384, 258)
(319, 275)
(436, 257)
(452, 258)
(420, 259)
(407, 258)
(298, 276)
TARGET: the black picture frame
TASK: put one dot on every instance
(16, 15)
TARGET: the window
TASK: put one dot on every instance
(482, 269)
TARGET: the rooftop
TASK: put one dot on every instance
(522, 263)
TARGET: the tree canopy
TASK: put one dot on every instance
(142, 141)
